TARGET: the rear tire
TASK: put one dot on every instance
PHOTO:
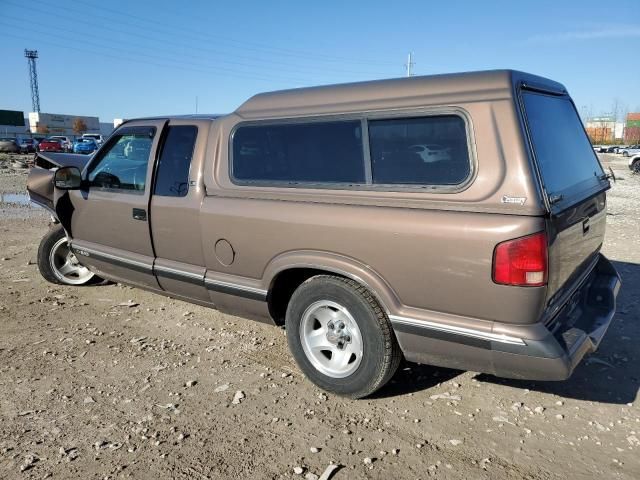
(57, 264)
(340, 337)
(635, 166)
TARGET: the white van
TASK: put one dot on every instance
(94, 136)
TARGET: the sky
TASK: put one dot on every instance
(126, 59)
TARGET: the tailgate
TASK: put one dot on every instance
(575, 238)
(573, 185)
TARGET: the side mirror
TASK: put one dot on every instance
(67, 178)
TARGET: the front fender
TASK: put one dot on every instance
(40, 184)
(40, 187)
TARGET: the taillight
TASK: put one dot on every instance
(522, 261)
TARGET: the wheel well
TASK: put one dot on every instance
(283, 286)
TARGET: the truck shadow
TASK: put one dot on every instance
(413, 377)
(610, 375)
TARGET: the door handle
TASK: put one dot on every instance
(140, 214)
(585, 226)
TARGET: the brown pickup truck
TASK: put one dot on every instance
(455, 220)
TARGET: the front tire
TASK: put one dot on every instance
(635, 166)
(340, 337)
(58, 264)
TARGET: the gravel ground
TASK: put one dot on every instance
(114, 382)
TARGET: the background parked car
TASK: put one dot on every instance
(94, 136)
(630, 151)
(84, 145)
(51, 145)
(9, 145)
(28, 145)
(67, 144)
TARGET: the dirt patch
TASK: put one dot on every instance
(114, 382)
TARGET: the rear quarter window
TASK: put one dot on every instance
(172, 176)
(419, 151)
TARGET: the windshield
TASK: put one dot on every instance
(567, 162)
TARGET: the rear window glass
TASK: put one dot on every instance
(564, 154)
(422, 151)
(317, 152)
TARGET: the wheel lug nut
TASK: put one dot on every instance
(341, 325)
(330, 325)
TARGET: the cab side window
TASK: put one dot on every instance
(124, 164)
(172, 176)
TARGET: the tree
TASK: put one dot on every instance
(79, 126)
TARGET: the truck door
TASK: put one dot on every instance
(107, 219)
(175, 209)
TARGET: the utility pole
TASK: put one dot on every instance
(31, 56)
(196, 104)
(409, 65)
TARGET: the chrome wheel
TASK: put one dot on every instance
(65, 265)
(331, 339)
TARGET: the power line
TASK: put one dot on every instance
(293, 67)
(136, 60)
(122, 54)
(161, 36)
(219, 38)
(166, 60)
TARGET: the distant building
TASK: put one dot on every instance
(632, 129)
(59, 124)
(13, 123)
(619, 131)
(601, 129)
(106, 128)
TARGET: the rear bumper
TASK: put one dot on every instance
(534, 352)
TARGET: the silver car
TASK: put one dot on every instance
(9, 145)
(67, 144)
(630, 151)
